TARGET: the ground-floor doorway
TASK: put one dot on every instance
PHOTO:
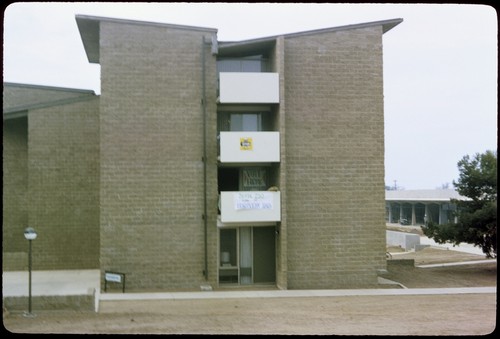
(247, 255)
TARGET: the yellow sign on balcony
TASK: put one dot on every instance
(246, 144)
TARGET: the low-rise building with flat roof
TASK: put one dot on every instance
(415, 207)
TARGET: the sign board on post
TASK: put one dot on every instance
(114, 277)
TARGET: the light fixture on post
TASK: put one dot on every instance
(29, 234)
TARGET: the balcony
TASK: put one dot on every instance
(250, 207)
(248, 88)
(249, 147)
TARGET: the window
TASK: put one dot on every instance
(246, 64)
(243, 121)
(243, 179)
(228, 265)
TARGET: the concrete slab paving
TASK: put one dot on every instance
(54, 283)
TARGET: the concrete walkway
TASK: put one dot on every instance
(466, 248)
(84, 282)
(293, 293)
(87, 282)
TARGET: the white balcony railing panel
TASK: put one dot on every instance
(250, 206)
(249, 147)
(248, 87)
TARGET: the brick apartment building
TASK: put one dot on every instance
(204, 162)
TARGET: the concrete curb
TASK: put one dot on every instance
(292, 293)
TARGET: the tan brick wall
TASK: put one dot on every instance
(15, 185)
(118, 182)
(151, 155)
(63, 166)
(334, 158)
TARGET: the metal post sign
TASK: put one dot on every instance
(114, 277)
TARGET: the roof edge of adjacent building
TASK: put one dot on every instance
(48, 87)
(429, 195)
(21, 110)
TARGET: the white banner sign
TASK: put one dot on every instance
(253, 201)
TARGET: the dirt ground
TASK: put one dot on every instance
(464, 314)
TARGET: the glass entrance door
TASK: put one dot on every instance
(247, 255)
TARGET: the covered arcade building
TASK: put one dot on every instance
(415, 207)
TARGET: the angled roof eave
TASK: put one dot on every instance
(89, 32)
(89, 27)
(390, 24)
(260, 43)
(386, 26)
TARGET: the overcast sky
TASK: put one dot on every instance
(440, 65)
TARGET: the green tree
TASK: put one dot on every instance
(477, 216)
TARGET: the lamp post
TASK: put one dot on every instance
(29, 234)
